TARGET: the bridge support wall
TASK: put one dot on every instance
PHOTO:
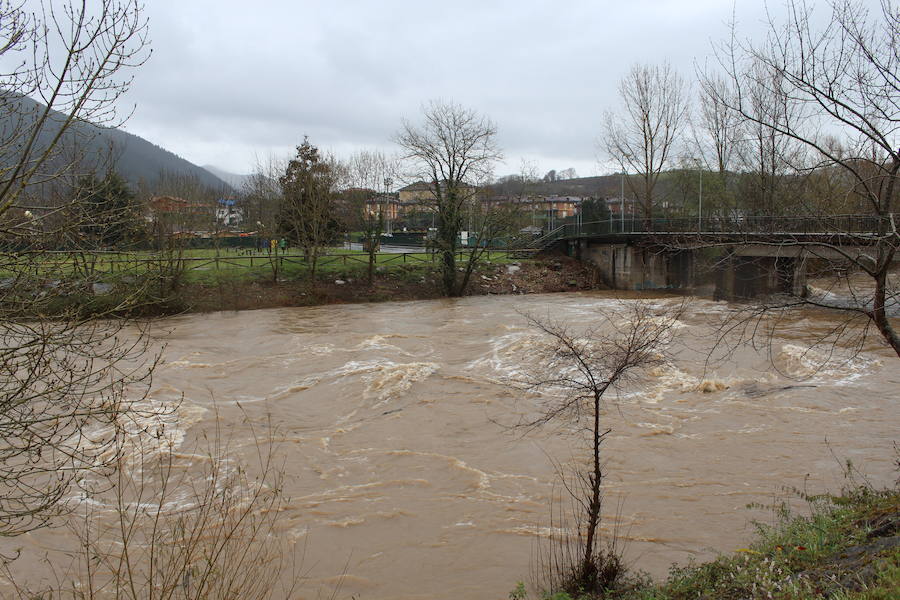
(738, 273)
(626, 267)
(739, 276)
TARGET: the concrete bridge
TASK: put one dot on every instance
(738, 258)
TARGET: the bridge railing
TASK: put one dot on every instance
(852, 224)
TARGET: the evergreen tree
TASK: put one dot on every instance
(107, 212)
(594, 209)
(306, 216)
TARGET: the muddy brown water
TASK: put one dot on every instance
(403, 483)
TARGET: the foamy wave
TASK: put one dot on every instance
(535, 531)
(667, 323)
(708, 386)
(379, 342)
(512, 355)
(670, 378)
(294, 388)
(389, 380)
(147, 428)
(315, 349)
(384, 379)
(186, 364)
(656, 429)
(821, 295)
(801, 362)
(345, 522)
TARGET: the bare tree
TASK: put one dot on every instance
(262, 199)
(569, 173)
(716, 133)
(642, 138)
(262, 194)
(528, 175)
(368, 199)
(768, 159)
(833, 88)
(454, 150)
(577, 369)
(493, 223)
(73, 59)
(65, 380)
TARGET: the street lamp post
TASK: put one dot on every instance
(387, 205)
(700, 205)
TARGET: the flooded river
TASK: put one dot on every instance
(402, 476)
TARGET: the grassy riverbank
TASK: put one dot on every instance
(395, 280)
(843, 547)
(105, 284)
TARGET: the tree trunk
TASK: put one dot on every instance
(447, 242)
(448, 267)
(596, 479)
(313, 261)
(879, 312)
(888, 235)
(474, 255)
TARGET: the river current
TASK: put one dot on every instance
(404, 481)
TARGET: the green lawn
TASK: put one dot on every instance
(209, 265)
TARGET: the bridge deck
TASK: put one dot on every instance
(858, 230)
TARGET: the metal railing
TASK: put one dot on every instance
(747, 225)
(540, 243)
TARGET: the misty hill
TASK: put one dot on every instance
(235, 180)
(133, 157)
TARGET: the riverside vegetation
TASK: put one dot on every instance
(844, 546)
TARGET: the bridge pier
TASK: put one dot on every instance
(629, 267)
(746, 274)
(740, 272)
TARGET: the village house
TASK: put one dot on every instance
(551, 207)
(422, 192)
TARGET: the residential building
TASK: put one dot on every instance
(615, 206)
(423, 192)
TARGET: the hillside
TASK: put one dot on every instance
(598, 187)
(235, 180)
(134, 158)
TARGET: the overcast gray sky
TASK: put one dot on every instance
(229, 82)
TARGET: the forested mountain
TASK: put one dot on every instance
(94, 148)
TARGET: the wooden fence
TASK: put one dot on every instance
(123, 263)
